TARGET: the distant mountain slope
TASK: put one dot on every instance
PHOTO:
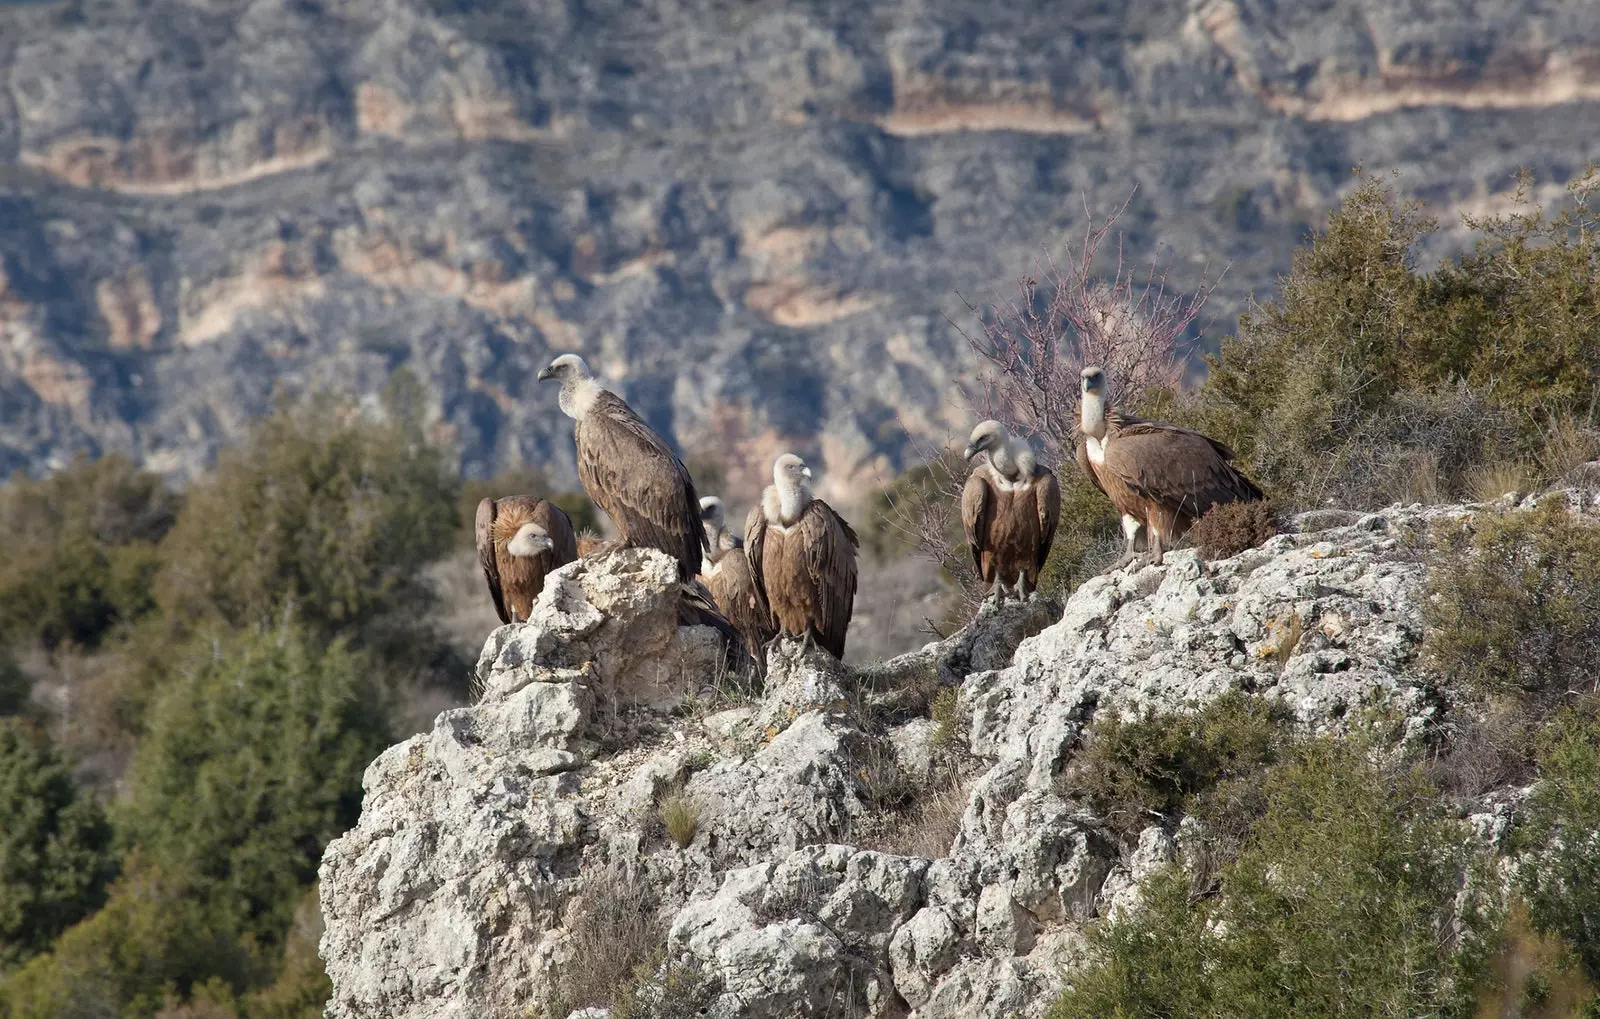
(750, 214)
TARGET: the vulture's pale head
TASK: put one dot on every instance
(1094, 381)
(789, 471)
(530, 540)
(987, 437)
(578, 387)
(567, 367)
(713, 512)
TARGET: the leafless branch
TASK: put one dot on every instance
(1065, 316)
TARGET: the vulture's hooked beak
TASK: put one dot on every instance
(805, 472)
(970, 452)
(546, 373)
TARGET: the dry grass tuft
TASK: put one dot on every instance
(614, 931)
(680, 816)
(1232, 528)
(929, 828)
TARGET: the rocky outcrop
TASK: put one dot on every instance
(752, 223)
(772, 883)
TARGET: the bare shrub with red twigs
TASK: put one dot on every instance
(1066, 316)
(1033, 347)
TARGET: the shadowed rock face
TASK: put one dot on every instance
(455, 893)
(751, 217)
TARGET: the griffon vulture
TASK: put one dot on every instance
(731, 583)
(1160, 477)
(803, 556)
(1009, 510)
(520, 540)
(628, 470)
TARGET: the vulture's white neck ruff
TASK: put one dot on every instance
(578, 396)
(783, 504)
(1092, 422)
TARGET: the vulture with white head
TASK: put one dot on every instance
(628, 470)
(520, 540)
(731, 583)
(1160, 477)
(1010, 507)
(803, 557)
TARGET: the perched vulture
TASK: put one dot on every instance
(1160, 477)
(1009, 509)
(731, 583)
(520, 539)
(628, 470)
(803, 557)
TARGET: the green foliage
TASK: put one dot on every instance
(320, 516)
(1139, 770)
(79, 551)
(1343, 903)
(1514, 602)
(1368, 380)
(14, 685)
(251, 763)
(55, 858)
(152, 939)
(1563, 834)
(302, 987)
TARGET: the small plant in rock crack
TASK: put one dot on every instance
(680, 816)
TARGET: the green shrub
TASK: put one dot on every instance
(14, 685)
(55, 859)
(319, 515)
(250, 764)
(151, 941)
(77, 551)
(1562, 832)
(1368, 381)
(1514, 602)
(1343, 903)
(1137, 772)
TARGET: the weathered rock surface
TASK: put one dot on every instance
(750, 217)
(448, 897)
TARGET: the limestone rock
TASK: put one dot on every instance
(449, 896)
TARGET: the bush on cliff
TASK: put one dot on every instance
(1513, 603)
(1562, 836)
(1343, 902)
(1368, 380)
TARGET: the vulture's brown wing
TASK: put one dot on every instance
(977, 510)
(755, 535)
(830, 547)
(556, 523)
(1176, 467)
(632, 474)
(734, 588)
(483, 528)
(1047, 495)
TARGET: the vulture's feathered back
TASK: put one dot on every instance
(629, 471)
(1010, 507)
(521, 539)
(802, 554)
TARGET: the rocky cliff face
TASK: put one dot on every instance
(750, 216)
(761, 834)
